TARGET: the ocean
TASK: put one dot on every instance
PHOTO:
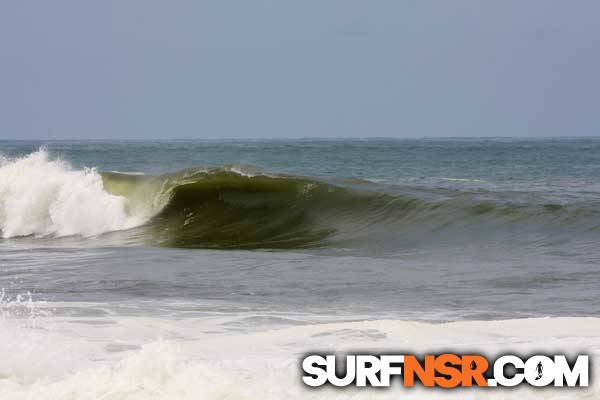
(196, 269)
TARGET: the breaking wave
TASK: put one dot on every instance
(244, 208)
(41, 197)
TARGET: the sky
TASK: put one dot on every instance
(149, 69)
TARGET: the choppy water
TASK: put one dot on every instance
(228, 243)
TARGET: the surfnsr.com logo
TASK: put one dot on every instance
(445, 370)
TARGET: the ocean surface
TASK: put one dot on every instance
(206, 269)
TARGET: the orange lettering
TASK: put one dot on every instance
(412, 367)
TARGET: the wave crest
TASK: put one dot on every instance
(244, 208)
(40, 196)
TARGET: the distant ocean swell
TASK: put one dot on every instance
(244, 208)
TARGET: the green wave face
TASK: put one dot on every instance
(226, 210)
(223, 209)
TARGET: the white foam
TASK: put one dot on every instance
(149, 358)
(248, 171)
(42, 196)
(133, 173)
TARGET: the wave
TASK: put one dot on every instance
(41, 197)
(244, 208)
(234, 208)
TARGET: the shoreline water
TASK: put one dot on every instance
(234, 356)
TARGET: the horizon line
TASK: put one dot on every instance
(298, 138)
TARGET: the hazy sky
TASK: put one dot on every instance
(207, 69)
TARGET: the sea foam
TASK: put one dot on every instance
(42, 196)
(142, 358)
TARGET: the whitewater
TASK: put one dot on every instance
(219, 357)
(41, 197)
(207, 269)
